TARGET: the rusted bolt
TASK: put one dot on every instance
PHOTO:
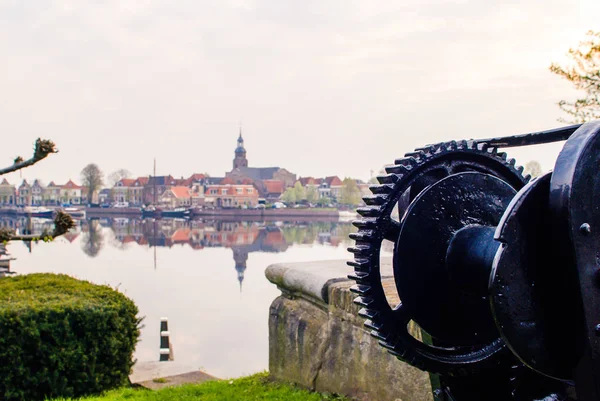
(585, 229)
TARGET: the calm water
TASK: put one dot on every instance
(207, 277)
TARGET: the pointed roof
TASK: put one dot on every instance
(4, 182)
(126, 182)
(180, 192)
(71, 185)
(240, 144)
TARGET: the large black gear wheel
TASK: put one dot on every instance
(404, 181)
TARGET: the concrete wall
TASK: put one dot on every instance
(317, 339)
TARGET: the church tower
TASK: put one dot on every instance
(240, 153)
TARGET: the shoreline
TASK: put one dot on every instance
(253, 214)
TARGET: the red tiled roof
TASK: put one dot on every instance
(181, 235)
(71, 185)
(274, 186)
(333, 180)
(181, 192)
(226, 181)
(193, 178)
(142, 181)
(127, 182)
(307, 181)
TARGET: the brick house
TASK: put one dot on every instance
(120, 192)
(231, 195)
(177, 196)
(70, 193)
(37, 193)
(51, 194)
(161, 184)
(8, 194)
(24, 194)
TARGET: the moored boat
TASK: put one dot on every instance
(75, 213)
(180, 212)
(35, 211)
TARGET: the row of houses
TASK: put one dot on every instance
(37, 194)
(198, 190)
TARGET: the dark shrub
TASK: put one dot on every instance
(63, 337)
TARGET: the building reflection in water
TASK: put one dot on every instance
(242, 237)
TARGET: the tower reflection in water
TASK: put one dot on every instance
(242, 237)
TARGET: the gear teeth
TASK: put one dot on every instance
(388, 179)
(520, 169)
(366, 223)
(369, 324)
(361, 289)
(451, 145)
(360, 249)
(368, 313)
(382, 189)
(360, 277)
(363, 235)
(369, 211)
(528, 178)
(360, 264)
(463, 144)
(427, 149)
(502, 155)
(388, 345)
(512, 162)
(379, 335)
(417, 154)
(363, 301)
(407, 161)
(376, 200)
(398, 169)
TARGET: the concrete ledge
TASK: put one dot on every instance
(311, 279)
(317, 339)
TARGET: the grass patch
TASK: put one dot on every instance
(255, 387)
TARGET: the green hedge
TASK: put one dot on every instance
(62, 337)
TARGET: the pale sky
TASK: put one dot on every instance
(321, 87)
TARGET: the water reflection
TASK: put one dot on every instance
(242, 237)
(189, 271)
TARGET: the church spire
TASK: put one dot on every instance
(240, 153)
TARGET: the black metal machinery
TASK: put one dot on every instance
(502, 275)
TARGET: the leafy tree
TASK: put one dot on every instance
(92, 178)
(312, 195)
(62, 222)
(323, 201)
(583, 72)
(289, 196)
(300, 192)
(116, 176)
(350, 194)
(533, 168)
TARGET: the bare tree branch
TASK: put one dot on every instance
(43, 147)
(63, 222)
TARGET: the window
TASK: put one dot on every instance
(239, 190)
(250, 190)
